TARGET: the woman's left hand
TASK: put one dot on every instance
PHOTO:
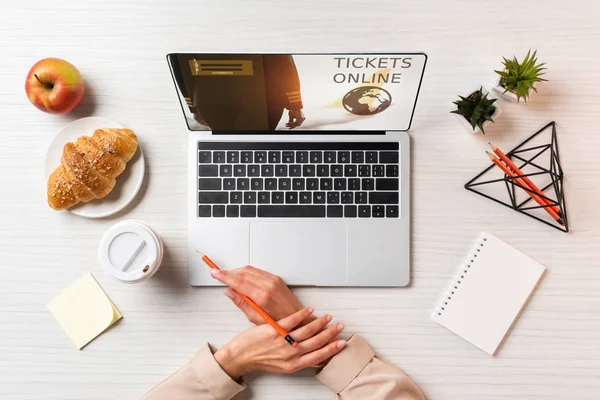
(260, 348)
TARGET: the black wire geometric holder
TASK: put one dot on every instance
(554, 171)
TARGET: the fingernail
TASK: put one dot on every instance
(215, 272)
(328, 318)
(340, 327)
(311, 310)
(341, 344)
(228, 294)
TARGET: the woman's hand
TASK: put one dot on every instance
(267, 290)
(260, 348)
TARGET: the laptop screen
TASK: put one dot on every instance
(284, 92)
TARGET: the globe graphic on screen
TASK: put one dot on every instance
(367, 100)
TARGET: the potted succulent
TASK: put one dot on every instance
(518, 78)
(476, 110)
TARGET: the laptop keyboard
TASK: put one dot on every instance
(298, 180)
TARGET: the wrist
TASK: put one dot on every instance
(230, 362)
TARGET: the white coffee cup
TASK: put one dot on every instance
(130, 251)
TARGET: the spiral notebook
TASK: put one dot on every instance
(488, 293)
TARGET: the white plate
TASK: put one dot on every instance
(128, 183)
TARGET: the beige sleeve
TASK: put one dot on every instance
(358, 373)
(201, 379)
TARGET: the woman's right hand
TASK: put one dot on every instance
(261, 348)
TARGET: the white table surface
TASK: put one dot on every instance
(553, 351)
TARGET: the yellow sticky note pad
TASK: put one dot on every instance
(84, 311)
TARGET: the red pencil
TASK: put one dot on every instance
(255, 306)
(520, 181)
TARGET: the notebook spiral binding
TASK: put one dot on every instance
(460, 276)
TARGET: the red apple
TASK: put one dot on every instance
(54, 86)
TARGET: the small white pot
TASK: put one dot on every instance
(499, 90)
(495, 115)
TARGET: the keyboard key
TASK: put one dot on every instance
(329, 157)
(274, 157)
(218, 211)
(350, 170)
(387, 184)
(253, 170)
(326, 184)
(264, 197)
(378, 171)
(337, 170)
(256, 184)
(391, 211)
(316, 157)
(285, 184)
(298, 184)
(383, 197)
(308, 170)
(360, 197)
(347, 198)
(291, 197)
(319, 197)
(277, 197)
(260, 157)
(333, 197)
(378, 211)
(391, 171)
(281, 170)
(239, 170)
(209, 184)
(339, 184)
(371, 157)
(364, 170)
(350, 211)
(266, 170)
(287, 157)
(358, 157)
(226, 170)
(213, 197)
(233, 211)
(233, 157)
(295, 170)
(323, 170)
(208, 170)
(219, 158)
(248, 211)
(302, 157)
(364, 211)
(243, 184)
(229, 184)
(247, 157)
(312, 184)
(368, 184)
(353, 184)
(305, 197)
(271, 184)
(343, 157)
(291, 211)
(335, 211)
(204, 210)
(388, 157)
(204, 157)
(249, 197)
(235, 197)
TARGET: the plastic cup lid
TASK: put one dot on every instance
(130, 251)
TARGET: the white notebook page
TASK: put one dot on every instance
(488, 292)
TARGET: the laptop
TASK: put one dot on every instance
(299, 164)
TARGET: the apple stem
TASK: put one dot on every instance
(48, 85)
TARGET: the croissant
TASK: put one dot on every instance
(89, 166)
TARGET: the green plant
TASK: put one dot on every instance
(476, 108)
(519, 78)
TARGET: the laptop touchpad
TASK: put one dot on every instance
(301, 252)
